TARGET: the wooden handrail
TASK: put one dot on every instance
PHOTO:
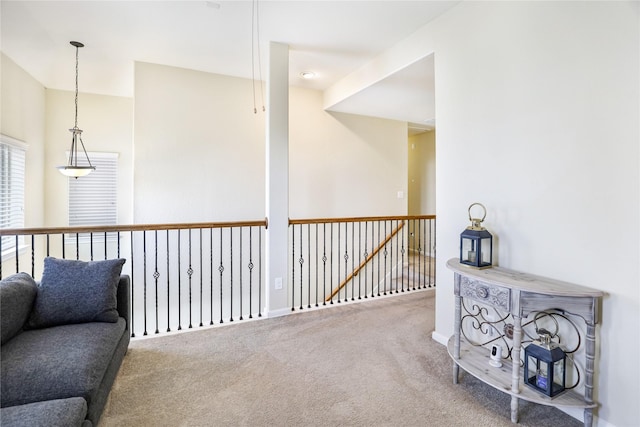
(366, 260)
(131, 227)
(358, 219)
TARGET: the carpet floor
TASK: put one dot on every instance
(366, 364)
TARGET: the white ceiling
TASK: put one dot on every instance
(330, 38)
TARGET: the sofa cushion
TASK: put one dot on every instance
(52, 413)
(58, 362)
(17, 293)
(76, 291)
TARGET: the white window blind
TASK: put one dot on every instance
(93, 198)
(12, 177)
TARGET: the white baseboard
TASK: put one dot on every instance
(439, 338)
(277, 313)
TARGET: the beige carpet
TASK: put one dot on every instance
(367, 364)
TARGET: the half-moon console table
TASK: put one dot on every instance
(497, 305)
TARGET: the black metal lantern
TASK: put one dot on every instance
(545, 365)
(476, 243)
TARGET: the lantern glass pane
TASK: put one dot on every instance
(558, 373)
(485, 244)
(531, 367)
(468, 250)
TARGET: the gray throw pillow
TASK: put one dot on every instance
(17, 293)
(76, 292)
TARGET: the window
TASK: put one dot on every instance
(12, 177)
(93, 198)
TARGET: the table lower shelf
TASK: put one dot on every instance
(475, 360)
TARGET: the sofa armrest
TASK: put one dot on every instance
(123, 297)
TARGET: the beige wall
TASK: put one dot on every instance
(199, 147)
(200, 153)
(422, 173)
(107, 124)
(22, 117)
(344, 165)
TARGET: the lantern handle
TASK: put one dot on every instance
(476, 221)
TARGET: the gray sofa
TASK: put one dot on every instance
(63, 342)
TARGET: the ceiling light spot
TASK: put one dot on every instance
(307, 75)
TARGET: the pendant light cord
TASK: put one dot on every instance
(255, 36)
(76, 100)
(253, 67)
(259, 56)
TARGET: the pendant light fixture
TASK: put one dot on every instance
(72, 168)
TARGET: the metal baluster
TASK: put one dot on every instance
(201, 268)
(118, 245)
(17, 254)
(402, 252)
(156, 275)
(353, 257)
(391, 258)
(425, 259)
(331, 264)
(211, 275)
(91, 245)
(412, 258)
(63, 249)
(168, 287)
(251, 272)
(231, 274)
(392, 266)
(309, 267)
(33, 257)
(385, 253)
(338, 252)
(419, 258)
(189, 274)
(260, 231)
(301, 261)
(221, 270)
(144, 278)
(397, 238)
(372, 258)
(346, 260)
(293, 267)
(366, 255)
(105, 245)
(77, 246)
(316, 264)
(179, 283)
(240, 278)
(359, 259)
(324, 263)
(378, 255)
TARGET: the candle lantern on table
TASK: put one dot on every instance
(476, 243)
(545, 365)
